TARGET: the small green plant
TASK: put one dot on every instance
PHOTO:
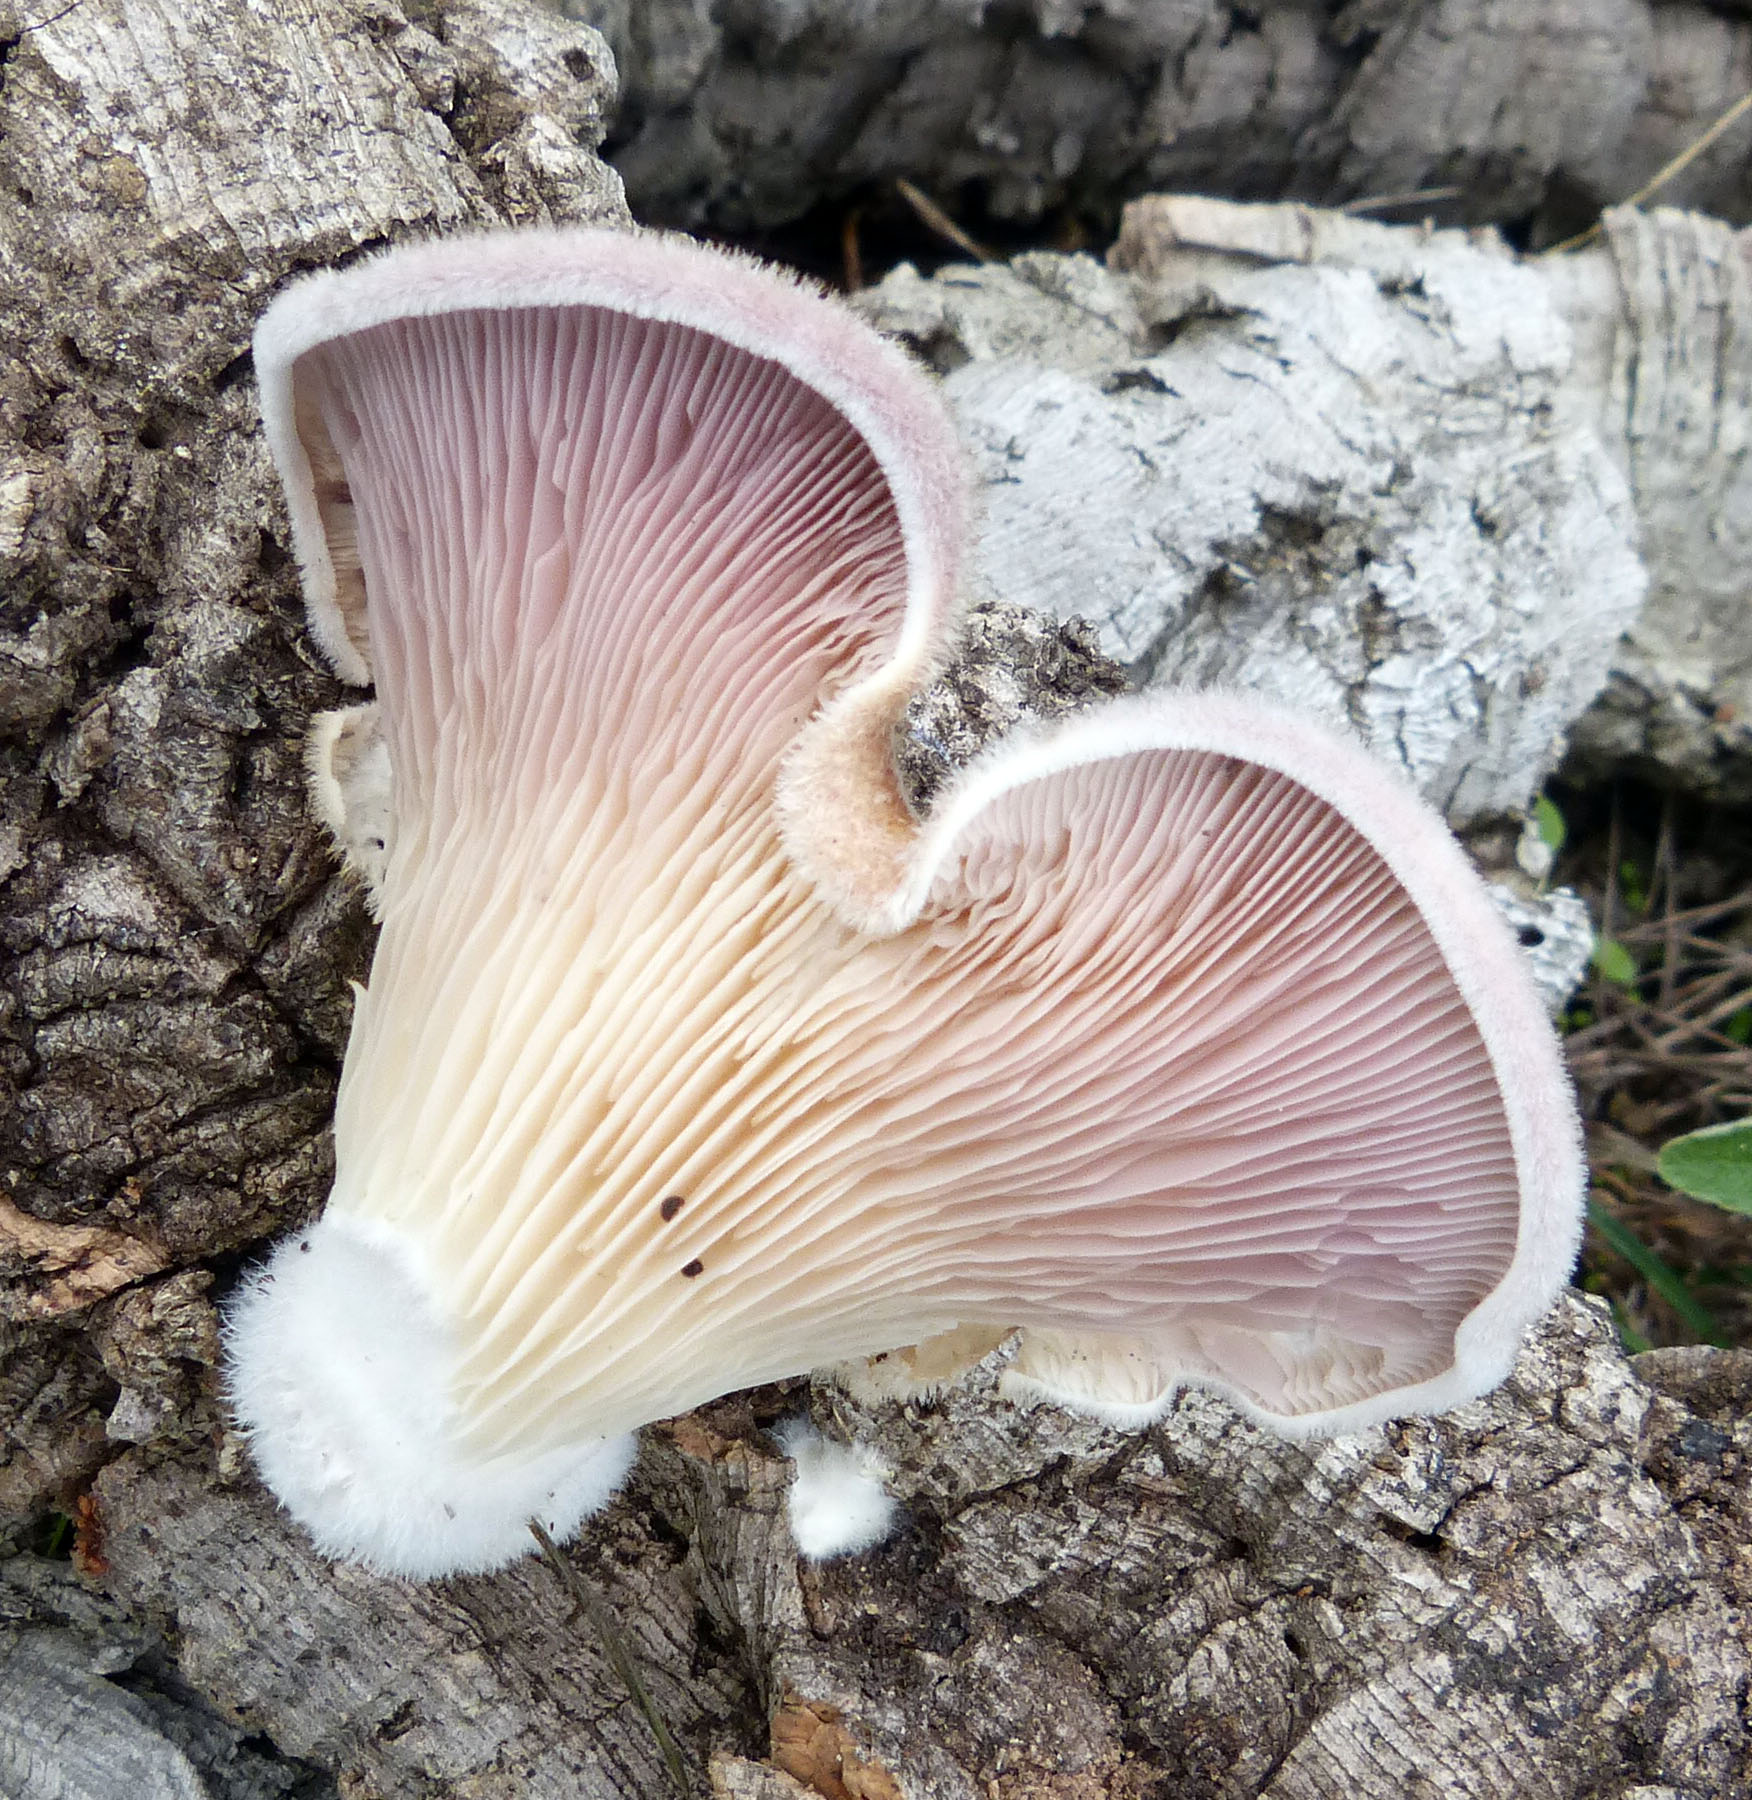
(1714, 1164)
(1548, 822)
(1614, 962)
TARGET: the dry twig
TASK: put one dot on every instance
(1665, 173)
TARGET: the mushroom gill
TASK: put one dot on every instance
(1183, 1035)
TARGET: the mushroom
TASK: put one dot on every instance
(1182, 1035)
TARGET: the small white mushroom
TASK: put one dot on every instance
(1182, 1036)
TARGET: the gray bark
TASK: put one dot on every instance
(1536, 1596)
(1401, 478)
(1676, 307)
(1335, 462)
(1539, 1595)
(94, 1707)
(748, 114)
(175, 994)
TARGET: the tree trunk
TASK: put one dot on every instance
(1534, 113)
(1540, 1595)
(1400, 478)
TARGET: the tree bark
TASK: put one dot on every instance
(179, 947)
(1432, 490)
(1539, 1595)
(1344, 470)
(1530, 112)
(1678, 401)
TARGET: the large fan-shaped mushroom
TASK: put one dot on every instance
(1183, 1036)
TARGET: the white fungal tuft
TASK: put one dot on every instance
(351, 790)
(341, 1374)
(838, 1503)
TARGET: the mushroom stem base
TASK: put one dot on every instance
(341, 1372)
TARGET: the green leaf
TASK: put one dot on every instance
(1549, 823)
(1614, 962)
(1739, 1027)
(1714, 1164)
(1661, 1276)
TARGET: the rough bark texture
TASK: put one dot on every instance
(1677, 392)
(95, 1706)
(178, 945)
(1401, 478)
(1541, 1595)
(1343, 474)
(1537, 111)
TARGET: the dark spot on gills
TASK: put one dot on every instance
(670, 1207)
(696, 1267)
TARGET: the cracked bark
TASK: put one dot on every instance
(1346, 473)
(1435, 491)
(1539, 1595)
(1532, 112)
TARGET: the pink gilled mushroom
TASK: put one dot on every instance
(1182, 1036)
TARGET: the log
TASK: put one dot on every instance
(1342, 469)
(1678, 401)
(1471, 504)
(1542, 1594)
(1535, 113)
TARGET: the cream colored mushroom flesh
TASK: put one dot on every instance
(1182, 1036)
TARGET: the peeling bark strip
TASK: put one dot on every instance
(63, 1268)
(812, 1746)
(1545, 1595)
